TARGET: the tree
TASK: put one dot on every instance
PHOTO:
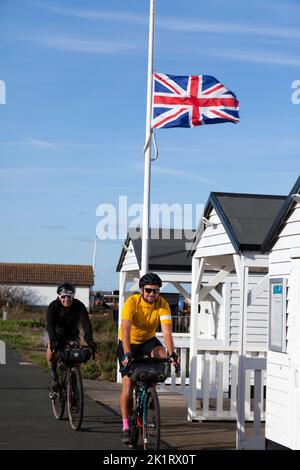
(13, 296)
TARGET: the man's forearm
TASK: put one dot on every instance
(167, 333)
(126, 329)
(170, 345)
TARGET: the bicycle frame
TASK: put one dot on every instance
(140, 414)
(70, 390)
(146, 414)
(141, 407)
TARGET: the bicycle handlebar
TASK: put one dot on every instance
(75, 354)
(149, 359)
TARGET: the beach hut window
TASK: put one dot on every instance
(277, 315)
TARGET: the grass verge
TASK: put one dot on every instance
(26, 336)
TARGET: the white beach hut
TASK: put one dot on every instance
(229, 242)
(283, 362)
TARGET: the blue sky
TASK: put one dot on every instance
(73, 126)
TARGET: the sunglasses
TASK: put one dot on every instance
(148, 290)
(64, 296)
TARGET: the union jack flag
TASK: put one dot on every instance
(189, 101)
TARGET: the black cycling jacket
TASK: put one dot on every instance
(63, 323)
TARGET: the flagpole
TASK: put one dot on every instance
(94, 254)
(147, 148)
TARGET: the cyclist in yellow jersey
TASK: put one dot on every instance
(141, 316)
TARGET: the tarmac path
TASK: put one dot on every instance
(27, 422)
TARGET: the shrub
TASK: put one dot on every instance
(91, 370)
(26, 336)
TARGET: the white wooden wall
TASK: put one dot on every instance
(277, 402)
(130, 260)
(280, 408)
(280, 263)
(257, 314)
(227, 328)
(214, 240)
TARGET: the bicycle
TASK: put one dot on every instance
(70, 388)
(145, 419)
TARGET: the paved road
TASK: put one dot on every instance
(27, 422)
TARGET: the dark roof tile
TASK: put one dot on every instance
(46, 274)
(247, 218)
(168, 249)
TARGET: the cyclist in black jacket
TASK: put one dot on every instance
(63, 317)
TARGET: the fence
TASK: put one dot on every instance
(180, 324)
(217, 382)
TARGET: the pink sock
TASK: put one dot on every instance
(126, 422)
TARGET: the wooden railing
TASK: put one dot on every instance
(180, 324)
(217, 376)
(217, 383)
(178, 383)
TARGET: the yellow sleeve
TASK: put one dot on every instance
(164, 312)
(128, 309)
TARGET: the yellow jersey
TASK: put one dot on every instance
(144, 317)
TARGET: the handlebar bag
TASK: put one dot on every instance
(149, 373)
(76, 355)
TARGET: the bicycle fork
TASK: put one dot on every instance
(61, 384)
(145, 417)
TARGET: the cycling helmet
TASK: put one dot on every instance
(150, 279)
(67, 287)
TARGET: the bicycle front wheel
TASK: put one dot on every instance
(75, 398)
(151, 421)
(134, 421)
(58, 396)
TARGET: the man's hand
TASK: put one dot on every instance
(175, 361)
(126, 359)
(93, 348)
(54, 345)
(125, 362)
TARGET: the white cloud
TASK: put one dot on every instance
(41, 143)
(227, 28)
(261, 57)
(83, 240)
(187, 175)
(53, 227)
(181, 174)
(46, 171)
(187, 25)
(184, 25)
(70, 145)
(94, 14)
(80, 45)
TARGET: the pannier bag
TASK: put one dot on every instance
(149, 373)
(76, 355)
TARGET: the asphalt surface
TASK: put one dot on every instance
(27, 422)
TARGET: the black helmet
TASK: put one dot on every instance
(150, 279)
(67, 287)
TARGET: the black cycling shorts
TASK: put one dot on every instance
(138, 350)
